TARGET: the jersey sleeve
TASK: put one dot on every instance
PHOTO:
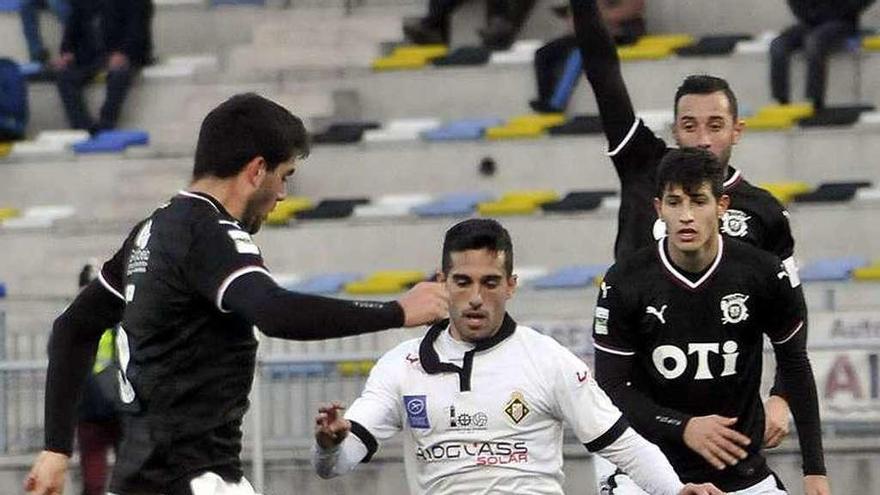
(785, 305)
(220, 252)
(583, 405)
(612, 329)
(112, 272)
(376, 414)
(779, 238)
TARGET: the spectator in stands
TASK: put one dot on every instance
(13, 101)
(503, 20)
(121, 45)
(98, 430)
(624, 20)
(823, 25)
(30, 24)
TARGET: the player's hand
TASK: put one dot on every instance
(63, 61)
(703, 489)
(776, 422)
(330, 427)
(47, 475)
(714, 438)
(426, 302)
(816, 485)
(118, 61)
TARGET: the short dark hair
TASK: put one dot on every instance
(477, 233)
(244, 127)
(690, 168)
(701, 84)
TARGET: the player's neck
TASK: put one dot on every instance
(224, 191)
(694, 261)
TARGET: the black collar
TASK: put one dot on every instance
(431, 361)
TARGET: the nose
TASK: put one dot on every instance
(703, 140)
(476, 299)
(687, 214)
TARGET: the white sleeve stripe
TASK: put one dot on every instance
(613, 351)
(109, 287)
(231, 278)
(626, 139)
(796, 330)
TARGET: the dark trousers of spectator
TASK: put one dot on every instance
(440, 12)
(818, 42)
(8, 135)
(549, 64)
(96, 439)
(71, 83)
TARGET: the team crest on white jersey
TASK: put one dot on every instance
(734, 309)
(516, 408)
(735, 223)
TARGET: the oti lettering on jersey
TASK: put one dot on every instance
(416, 407)
(672, 361)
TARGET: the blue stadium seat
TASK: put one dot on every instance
(568, 82)
(570, 277)
(2, 290)
(299, 370)
(460, 130)
(455, 204)
(832, 269)
(329, 283)
(112, 141)
(238, 2)
(10, 5)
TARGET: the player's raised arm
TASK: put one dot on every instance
(602, 68)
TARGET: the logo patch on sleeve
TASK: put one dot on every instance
(416, 411)
(600, 320)
(243, 242)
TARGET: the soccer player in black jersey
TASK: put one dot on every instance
(706, 116)
(678, 332)
(188, 286)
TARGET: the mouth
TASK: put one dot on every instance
(474, 319)
(687, 235)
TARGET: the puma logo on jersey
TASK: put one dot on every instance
(651, 310)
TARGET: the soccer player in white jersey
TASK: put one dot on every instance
(481, 400)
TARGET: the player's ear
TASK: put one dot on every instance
(657, 206)
(738, 127)
(441, 277)
(256, 171)
(512, 284)
(723, 204)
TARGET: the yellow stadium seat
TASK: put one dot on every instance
(869, 273)
(364, 287)
(348, 368)
(643, 52)
(597, 281)
(502, 208)
(786, 191)
(871, 42)
(364, 367)
(671, 41)
(541, 119)
(427, 52)
(5, 148)
(398, 63)
(9, 213)
(409, 57)
(286, 208)
(538, 197)
(514, 132)
(794, 111)
(404, 277)
(768, 122)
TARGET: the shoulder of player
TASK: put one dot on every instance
(639, 137)
(757, 196)
(746, 254)
(401, 353)
(633, 266)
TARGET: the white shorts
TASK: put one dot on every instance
(212, 484)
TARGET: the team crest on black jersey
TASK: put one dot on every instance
(734, 309)
(735, 223)
(516, 408)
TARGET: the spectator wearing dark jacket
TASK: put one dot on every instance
(102, 34)
(823, 26)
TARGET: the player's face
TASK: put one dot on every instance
(271, 190)
(706, 121)
(479, 289)
(691, 219)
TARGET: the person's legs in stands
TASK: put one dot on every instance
(71, 83)
(549, 63)
(780, 61)
(30, 25)
(504, 19)
(118, 84)
(95, 442)
(818, 44)
(62, 9)
(434, 27)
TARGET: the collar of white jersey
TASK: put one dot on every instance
(431, 360)
(734, 177)
(682, 278)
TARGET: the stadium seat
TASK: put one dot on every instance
(871, 43)
(521, 52)
(504, 208)
(784, 192)
(5, 148)
(37, 149)
(286, 208)
(385, 282)
(409, 57)
(461, 130)
(673, 41)
(831, 269)
(454, 204)
(715, 45)
(67, 137)
(112, 141)
(579, 124)
(758, 45)
(658, 120)
(10, 5)
(870, 118)
(344, 132)
(868, 195)
(867, 273)
(355, 368)
(330, 283)
(567, 83)
(392, 205)
(401, 130)
(526, 274)
(570, 277)
(639, 52)
(577, 201)
(464, 56)
(832, 192)
(238, 2)
(331, 208)
(835, 116)
(39, 217)
(525, 126)
(286, 371)
(6, 213)
(2, 290)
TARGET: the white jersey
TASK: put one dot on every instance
(487, 418)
